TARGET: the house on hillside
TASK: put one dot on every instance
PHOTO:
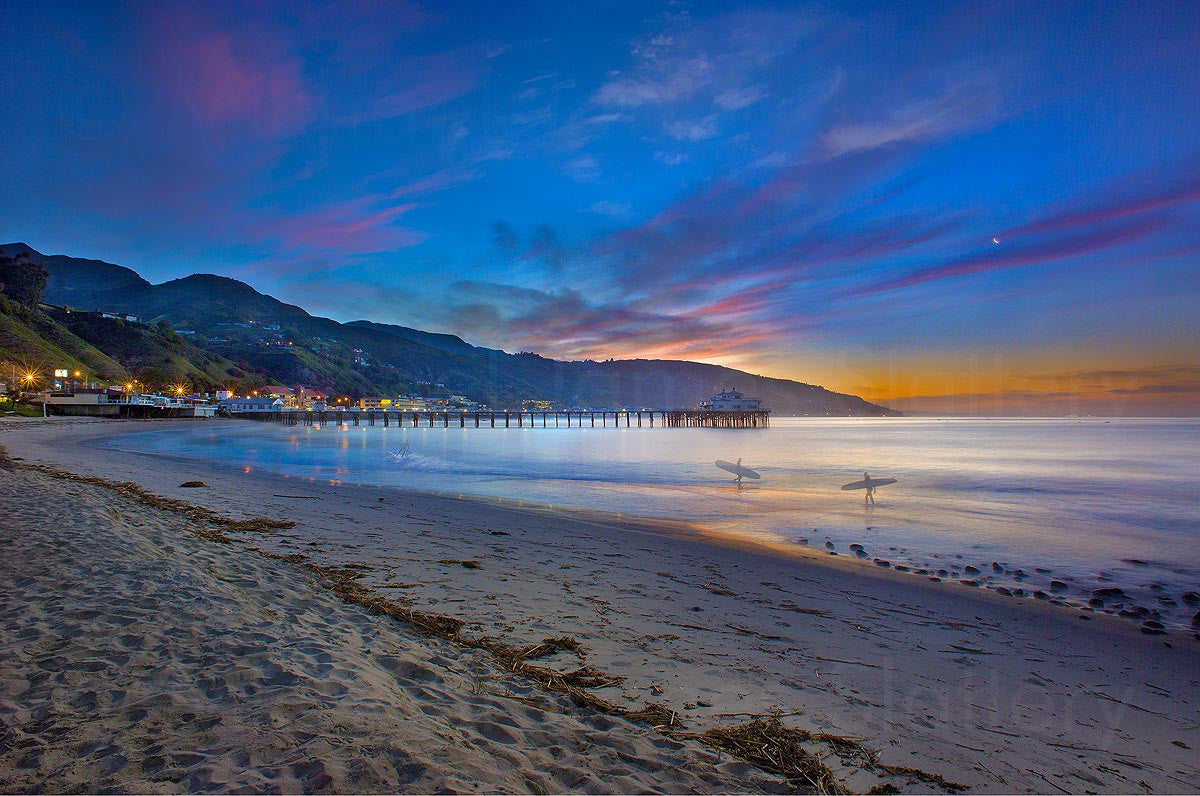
(122, 316)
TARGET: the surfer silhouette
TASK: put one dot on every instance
(868, 485)
(737, 470)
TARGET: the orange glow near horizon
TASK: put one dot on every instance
(1031, 383)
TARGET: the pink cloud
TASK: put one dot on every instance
(1018, 257)
(219, 77)
(424, 83)
(350, 227)
(563, 323)
(1118, 207)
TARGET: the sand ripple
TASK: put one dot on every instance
(137, 657)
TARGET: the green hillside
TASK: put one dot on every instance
(154, 354)
(29, 340)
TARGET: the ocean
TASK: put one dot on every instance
(1064, 507)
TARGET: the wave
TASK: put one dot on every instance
(416, 462)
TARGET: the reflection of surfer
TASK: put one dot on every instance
(870, 496)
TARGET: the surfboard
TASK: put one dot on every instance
(869, 482)
(744, 472)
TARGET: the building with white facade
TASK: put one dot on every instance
(252, 404)
(731, 401)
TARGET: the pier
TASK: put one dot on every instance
(632, 418)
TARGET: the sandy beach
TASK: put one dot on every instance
(142, 653)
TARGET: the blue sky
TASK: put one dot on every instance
(960, 207)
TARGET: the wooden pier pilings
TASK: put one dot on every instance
(646, 418)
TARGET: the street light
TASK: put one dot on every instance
(29, 377)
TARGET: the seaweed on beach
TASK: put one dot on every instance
(772, 746)
(342, 581)
(655, 715)
(917, 775)
(200, 514)
(255, 525)
(764, 741)
(462, 563)
(550, 646)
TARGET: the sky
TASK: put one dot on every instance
(980, 207)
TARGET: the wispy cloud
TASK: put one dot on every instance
(583, 168)
(1122, 201)
(1065, 234)
(1037, 253)
(422, 83)
(739, 97)
(367, 224)
(563, 323)
(694, 129)
(917, 122)
(719, 62)
(612, 209)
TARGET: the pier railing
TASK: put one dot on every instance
(646, 418)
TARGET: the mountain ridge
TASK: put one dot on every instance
(233, 322)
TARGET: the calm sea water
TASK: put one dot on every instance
(1089, 502)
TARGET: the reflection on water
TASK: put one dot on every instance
(1015, 504)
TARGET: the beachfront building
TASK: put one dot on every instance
(731, 401)
(286, 394)
(402, 403)
(409, 403)
(308, 398)
(252, 404)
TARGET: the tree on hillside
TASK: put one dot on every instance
(22, 281)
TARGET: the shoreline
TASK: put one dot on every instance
(919, 669)
(868, 566)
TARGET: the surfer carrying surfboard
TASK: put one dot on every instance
(737, 469)
(870, 485)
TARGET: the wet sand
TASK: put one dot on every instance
(1000, 694)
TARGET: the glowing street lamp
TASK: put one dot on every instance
(29, 377)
